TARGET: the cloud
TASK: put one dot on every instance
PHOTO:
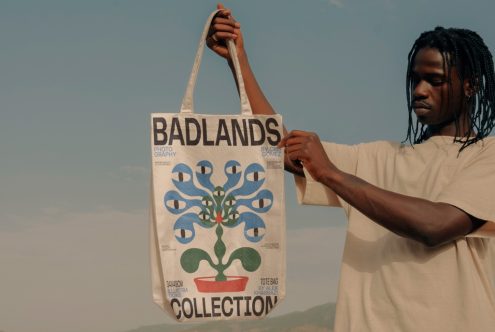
(28, 219)
(130, 173)
(386, 4)
(135, 170)
(336, 3)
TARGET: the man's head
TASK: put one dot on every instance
(450, 86)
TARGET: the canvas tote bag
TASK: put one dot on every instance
(217, 210)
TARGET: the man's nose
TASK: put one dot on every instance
(421, 90)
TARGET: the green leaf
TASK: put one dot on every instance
(191, 258)
(250, 259)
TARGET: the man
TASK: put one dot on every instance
(421, 216)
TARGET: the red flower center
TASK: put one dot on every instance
(219, 218)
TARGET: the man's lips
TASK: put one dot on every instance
(421, 108)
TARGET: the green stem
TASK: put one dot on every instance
(220, 252)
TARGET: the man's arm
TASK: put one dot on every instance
(428, 222)
(225, 27)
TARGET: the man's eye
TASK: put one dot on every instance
(437, 81)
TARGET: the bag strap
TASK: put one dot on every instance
(188, 102)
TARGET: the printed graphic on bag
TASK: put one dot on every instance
(218, 207)
(218, 216)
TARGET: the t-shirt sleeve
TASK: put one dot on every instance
(312, 192)
(473, 190)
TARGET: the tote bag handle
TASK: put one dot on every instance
(188, 102)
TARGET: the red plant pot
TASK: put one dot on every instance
(232, 284)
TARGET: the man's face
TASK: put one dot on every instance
(431, 87)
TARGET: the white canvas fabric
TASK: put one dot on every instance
(217, 230)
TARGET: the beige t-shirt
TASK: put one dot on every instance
(391, 283)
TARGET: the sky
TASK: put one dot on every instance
(78, 82)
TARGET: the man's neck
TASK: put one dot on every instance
(462, 128)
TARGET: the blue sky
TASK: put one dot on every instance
(78, 80)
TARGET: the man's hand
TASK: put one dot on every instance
(305, 149)
(224, 27)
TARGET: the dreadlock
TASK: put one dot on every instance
(467, 50)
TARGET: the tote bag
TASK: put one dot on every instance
(217, 209)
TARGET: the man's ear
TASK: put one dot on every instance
(470, 88)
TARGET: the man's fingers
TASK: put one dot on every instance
(300, 133)
(224, 13)
(297, 158)
(293, 148)
(223, 27)
(213, 42)
(283, 142)
(221, 30)
(226, 21)
(223, 35)
(297, 139)
(292, 140)
(295, 136)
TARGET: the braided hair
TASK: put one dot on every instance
(466, 50)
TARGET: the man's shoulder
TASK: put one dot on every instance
(372, 147)
(485, 147)
(488, 141)
(382, 145)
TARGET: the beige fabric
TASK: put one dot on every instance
(217, 235)
(390, 283)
